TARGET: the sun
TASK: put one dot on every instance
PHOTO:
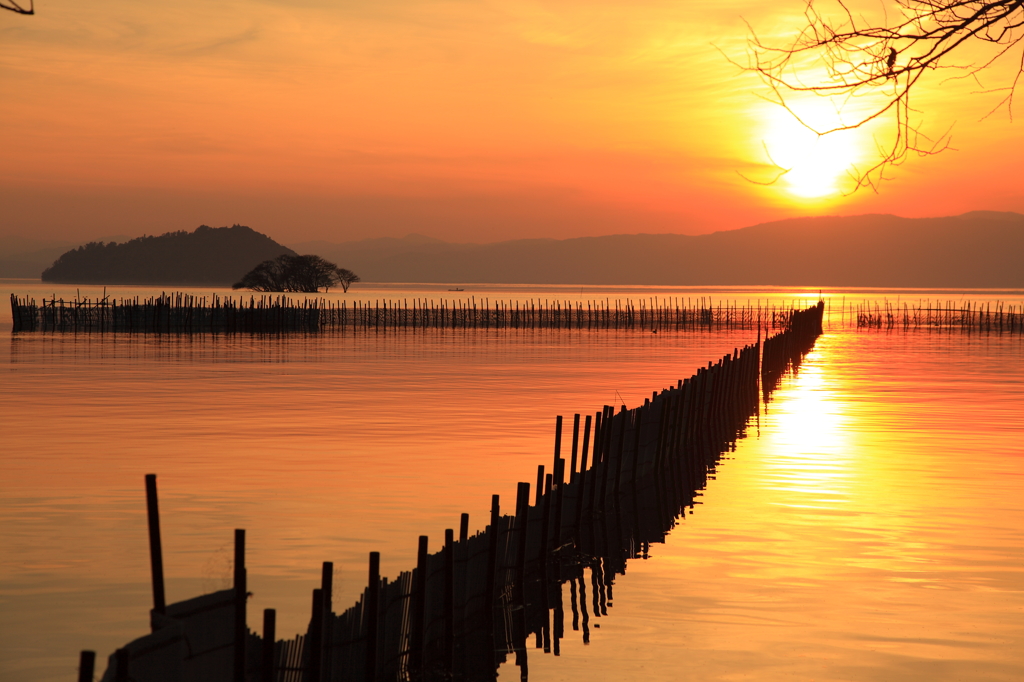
(817, 166)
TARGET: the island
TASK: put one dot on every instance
(215, 256)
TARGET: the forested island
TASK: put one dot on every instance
(217, 256)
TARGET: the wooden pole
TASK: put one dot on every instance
(86, 665)
(575, 446)
(156, 560)
(639, 412)
(559, 492)
(240, 599)
(596, 458)
(419, 603)
(372, 614)
(619, 453)
(326, 593)
(449, 602)
(558, 442)
(582, 478)
(316, 633)
(607, 428)
(327, 584)
(546, 518)
(522, 528)
(121, 662)
(492, 555)
(491, 584)
(269, 643)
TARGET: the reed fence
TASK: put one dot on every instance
(179, 313)
(620, 484)
(965, 316)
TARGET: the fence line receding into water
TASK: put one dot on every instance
(618, 482)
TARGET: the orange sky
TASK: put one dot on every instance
(468, 121)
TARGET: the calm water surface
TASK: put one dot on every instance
(871, 528)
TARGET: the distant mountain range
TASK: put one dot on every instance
(981, 249)
(217, 256)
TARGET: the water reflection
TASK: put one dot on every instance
(813, 462)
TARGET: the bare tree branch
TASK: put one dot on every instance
(850, 60)
(16, 7)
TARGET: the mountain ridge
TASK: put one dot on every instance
(980, 249)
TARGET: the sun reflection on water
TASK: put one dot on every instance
(812, 464)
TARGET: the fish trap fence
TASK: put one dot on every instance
(180, 313)
(964, 316)
(167, 314)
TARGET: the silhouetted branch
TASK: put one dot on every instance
(15, 7)
(845, 59)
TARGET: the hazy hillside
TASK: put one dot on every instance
(25, 257)
(979, 249)
(214, 256)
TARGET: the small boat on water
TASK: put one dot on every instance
(456, 289)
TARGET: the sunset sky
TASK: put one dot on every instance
(465, 120)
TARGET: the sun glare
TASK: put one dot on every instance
(816, 165)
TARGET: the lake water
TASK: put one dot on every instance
(870, 528)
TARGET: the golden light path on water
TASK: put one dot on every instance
(811, 463)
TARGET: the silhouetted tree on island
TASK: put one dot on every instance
(346, 278)
(874, 67)
(306, 274)
(267, 276)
